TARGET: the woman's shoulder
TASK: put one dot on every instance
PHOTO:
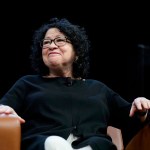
(95, 82)
(29, 78)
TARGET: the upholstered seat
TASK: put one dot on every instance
(10, 136)
(116, 136)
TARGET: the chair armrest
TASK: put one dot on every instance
(10, 133)
(141, 141)
(116, 136)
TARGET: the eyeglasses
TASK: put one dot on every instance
(59, 41)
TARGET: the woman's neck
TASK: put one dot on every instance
(60, 73)
(52, 75)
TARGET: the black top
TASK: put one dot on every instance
(60, 106)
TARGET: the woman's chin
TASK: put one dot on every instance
(55, 62)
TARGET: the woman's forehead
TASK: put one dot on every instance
(53, 32)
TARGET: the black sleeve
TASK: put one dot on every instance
(15, 95)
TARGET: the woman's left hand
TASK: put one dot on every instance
(140, 104)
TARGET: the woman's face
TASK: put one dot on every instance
(58, 53)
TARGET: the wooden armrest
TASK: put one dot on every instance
(141, 141)
(10, 133)
(116, 136)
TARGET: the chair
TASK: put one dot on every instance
(10, 136)
(116, 136)
(141, 140)
(10, 133)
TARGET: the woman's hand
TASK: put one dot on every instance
(140, 105)
(8, 111)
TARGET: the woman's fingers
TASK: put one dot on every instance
(8, 111)
(140, 104)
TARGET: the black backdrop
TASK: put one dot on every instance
(120, 40)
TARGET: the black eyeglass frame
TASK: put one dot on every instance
(55, 42)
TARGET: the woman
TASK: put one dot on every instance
(59, 108)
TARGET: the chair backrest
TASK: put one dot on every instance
(10, 133)
(116, 136)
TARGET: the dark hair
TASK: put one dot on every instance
(75, 34)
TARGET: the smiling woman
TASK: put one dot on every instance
(58, 53)
(59, 107)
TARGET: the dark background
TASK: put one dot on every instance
(119, 34)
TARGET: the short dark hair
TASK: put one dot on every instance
(79, 39)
